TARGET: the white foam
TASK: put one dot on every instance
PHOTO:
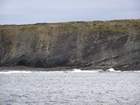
(76, 70)
(86, 71)
(112, 70)
(14, 72)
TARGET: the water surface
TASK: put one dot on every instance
(69, 88)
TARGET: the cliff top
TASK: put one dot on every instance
(122, 26)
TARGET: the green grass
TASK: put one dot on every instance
(68, 28)
(116, 26)
(29, 28)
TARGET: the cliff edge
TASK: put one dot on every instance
(88, 45)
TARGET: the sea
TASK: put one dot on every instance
(72, 87)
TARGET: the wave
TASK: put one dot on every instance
(69, 71)
(96, 71)
(136, 71)
(112, 70)
(86, 71)
(14, 72)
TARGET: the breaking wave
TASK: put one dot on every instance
(112, 70)
(66, 71)
(98, 70)
(86, 71)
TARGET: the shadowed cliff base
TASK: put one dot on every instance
(86, 45)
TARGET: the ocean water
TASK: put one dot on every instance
(69, 88)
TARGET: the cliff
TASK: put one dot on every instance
(89, 45)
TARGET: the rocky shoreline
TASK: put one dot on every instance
(24, 68)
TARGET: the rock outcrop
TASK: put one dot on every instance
(89, 45)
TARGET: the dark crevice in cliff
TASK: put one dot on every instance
(22, 63)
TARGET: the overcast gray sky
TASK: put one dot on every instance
(39, 11)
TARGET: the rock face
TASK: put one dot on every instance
(90, 45)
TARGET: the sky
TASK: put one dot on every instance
(51, 11)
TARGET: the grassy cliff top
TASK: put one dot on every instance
(115, 26)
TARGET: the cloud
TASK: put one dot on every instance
(33, 11)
